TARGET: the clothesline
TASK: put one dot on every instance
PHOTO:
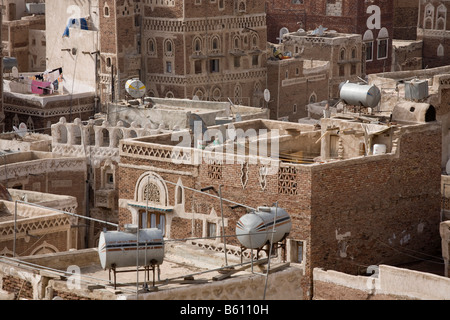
(42, 83)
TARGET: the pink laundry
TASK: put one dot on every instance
(38, 86)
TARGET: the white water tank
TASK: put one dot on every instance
(119, 249)
(379, 149)
(254, 230)
(360, 95)
(135, 88)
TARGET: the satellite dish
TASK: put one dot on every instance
(238, 117)
(15, 72)
(267, 95)
(135, 88)
(195, 98)
(22, 131)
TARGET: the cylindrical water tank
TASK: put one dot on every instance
(360, 95)
(254, 230)
(119, 249)
(135, 87)
(379, 149)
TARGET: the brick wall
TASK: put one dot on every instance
(352, 213)
(312, 14)
(366, 213)
(51, 113)
(405, 19)
(20, 287)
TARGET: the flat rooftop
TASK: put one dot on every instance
(186, 268)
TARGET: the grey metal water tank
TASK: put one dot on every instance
(120, 249)
(416, 89)
(254, 230)
(360, 94)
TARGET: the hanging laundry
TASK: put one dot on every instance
(39, 86)
(76, 24)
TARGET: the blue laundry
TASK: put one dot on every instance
(75, 23)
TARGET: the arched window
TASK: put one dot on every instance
(150, 187)
(441, 17)
(383, 42)
(354, 53)
(199, 93)
(368, 42)
(179, 195)
(216, 94)
(30, 124)
(440, 50)
(342, 54)
(151, 47)
(242, 6)
(428, 21)
(105, 138)
(197, 45)
(255, 41)
(106, 11)
(236, 41)
(215, 43)
(152, 193)
(168, 47)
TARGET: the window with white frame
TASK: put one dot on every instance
(368, 42)
(383, 42)
(428, 20)
(441, 17)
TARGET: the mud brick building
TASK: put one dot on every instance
(39, 112)
(350, 206)
(433, 26)
(40, 171)
(344, 52)
(23, 33)
(294, 83)
(213, 50)
(39, 230)
(373, 20)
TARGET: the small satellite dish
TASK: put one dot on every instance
(267, 95)
(135, 88)
(22, 130)
(195, 98)
(15, 72)
(238, 117)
